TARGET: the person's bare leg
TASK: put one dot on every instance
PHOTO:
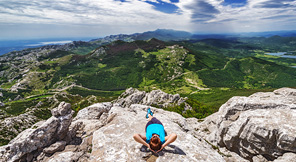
(150, 117)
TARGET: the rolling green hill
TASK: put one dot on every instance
(190, 68)
(250, 73)
(175, 67)
(208, 72)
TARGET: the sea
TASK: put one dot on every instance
(7, 46)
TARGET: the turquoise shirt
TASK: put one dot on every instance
(155, 129)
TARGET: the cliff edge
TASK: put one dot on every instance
(255, 128)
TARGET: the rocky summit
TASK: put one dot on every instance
(260, 127)
(257, 128)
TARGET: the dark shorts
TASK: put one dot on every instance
(152, 121)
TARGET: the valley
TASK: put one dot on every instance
(206, 71)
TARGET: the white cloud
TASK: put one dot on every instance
(116, 14)
(110, 16)
(256, 15)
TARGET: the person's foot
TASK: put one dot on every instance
(149, 112)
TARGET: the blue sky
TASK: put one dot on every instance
(96, 18)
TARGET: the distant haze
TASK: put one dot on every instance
(29, 19)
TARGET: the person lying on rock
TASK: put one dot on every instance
(155, 138)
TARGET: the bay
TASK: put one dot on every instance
(7, 46)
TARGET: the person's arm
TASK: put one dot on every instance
(141, 139)
(168, 139)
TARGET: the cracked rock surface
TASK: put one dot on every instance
(257, 128)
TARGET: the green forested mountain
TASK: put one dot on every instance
(207, 71)
(177, 67)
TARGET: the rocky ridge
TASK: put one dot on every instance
(258, 128)
(156, 98)
(17, 66)
(29, 141)
(12, 125)
(103, 132)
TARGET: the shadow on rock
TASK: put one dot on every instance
(76, 141)
(172, 149)
(145, 149)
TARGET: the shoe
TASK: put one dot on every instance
(149, 112)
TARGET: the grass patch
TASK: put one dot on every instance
(42, 113)
(8, 84)
(199, 110)
(86, 92)
(216, 97)
(17, 107)
(3, 142)
(39, 96)
(277, 59)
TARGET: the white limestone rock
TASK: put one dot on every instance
(130, 96)
(94, 111)
(16, 124)
(155, 97)
(287, 157)
(261, 124)
(58, 146)
(66, 157)
(114, 141)
(30, 140)
(258, 128)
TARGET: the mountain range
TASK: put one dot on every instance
(206, 71)
(7, 46)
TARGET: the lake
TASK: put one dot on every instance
(282, 54)
(277, 54)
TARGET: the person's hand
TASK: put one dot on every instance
(162, 146)
(150, 148)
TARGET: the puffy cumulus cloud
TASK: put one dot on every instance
(74, 11)
(121, 15)
(129, 16)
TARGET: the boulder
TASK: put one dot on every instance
(61, 110)
(94, 111)
(130, 96)
(11, 126)
(66, 157)
(154, 98)
(261, 124)
(89, 119)
(18, 97)
(287, 157)
(58, 146)
(31, 140)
